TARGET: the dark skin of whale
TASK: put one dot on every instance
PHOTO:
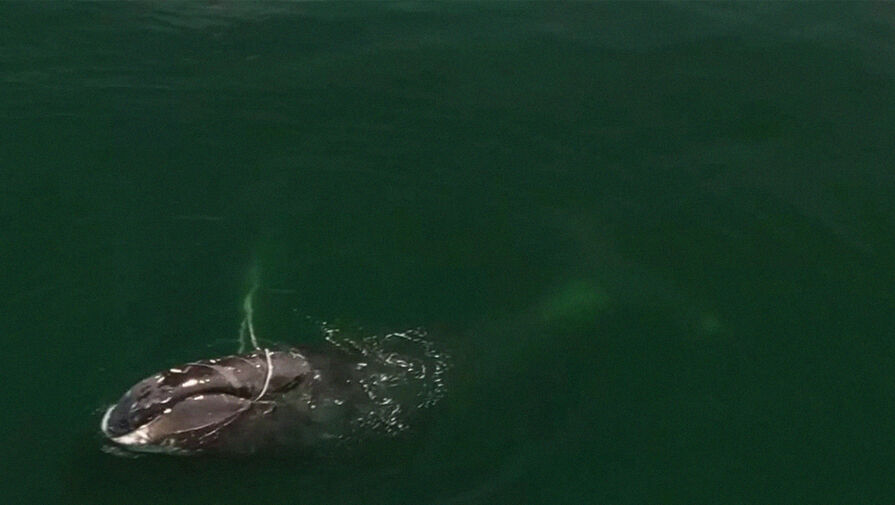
(243, 404)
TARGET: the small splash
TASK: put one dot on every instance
(400, 372)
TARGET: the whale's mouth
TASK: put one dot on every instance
(190, 406)
(194, 416)
(191, 394)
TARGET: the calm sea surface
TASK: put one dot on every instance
(658, 240)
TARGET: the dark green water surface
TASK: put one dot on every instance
(657, 239)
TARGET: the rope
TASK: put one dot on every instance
(248, 326)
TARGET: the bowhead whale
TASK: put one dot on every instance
(267, 399)
(283, 397)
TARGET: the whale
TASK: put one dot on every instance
(246, 403)
(280, 397)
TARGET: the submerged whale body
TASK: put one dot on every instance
(271, 399)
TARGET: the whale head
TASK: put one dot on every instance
(187, 409)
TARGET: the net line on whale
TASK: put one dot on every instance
(248, 326)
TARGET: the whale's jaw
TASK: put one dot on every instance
(187, 409)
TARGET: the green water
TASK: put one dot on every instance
(657, 239)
